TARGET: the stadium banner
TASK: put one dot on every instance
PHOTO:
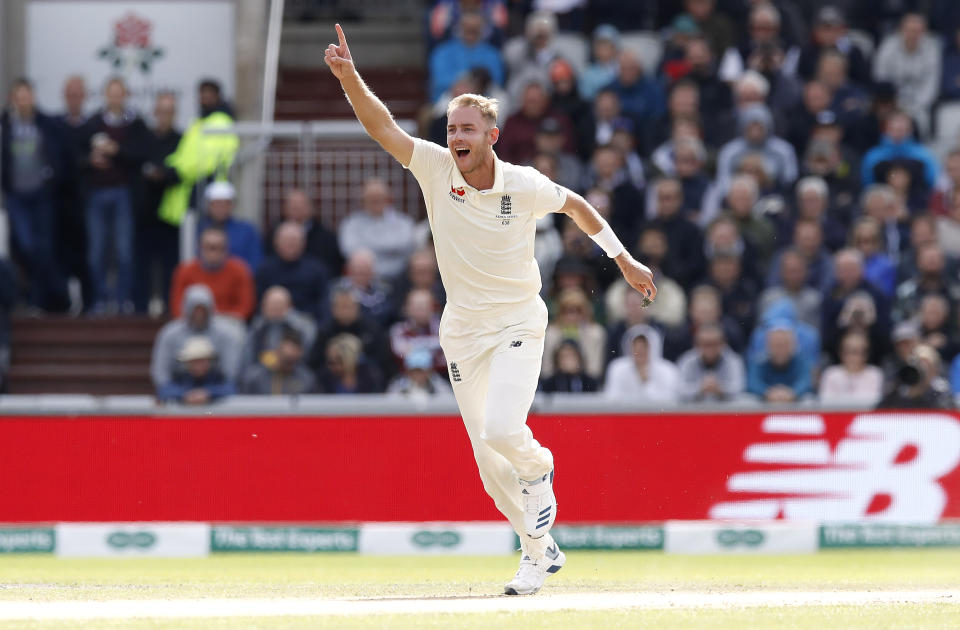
(133, 539)
(724, 537)
(155, 46)
(606, 537)
(478, 539)
(898, 468)
(285, 538)
(836, 535)
(27, 539)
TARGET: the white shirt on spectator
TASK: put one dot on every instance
(838, 385)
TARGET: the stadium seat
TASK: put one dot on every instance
(947, 125)
(647, 45)
(575, 48)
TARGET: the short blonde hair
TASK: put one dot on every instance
(488, 107)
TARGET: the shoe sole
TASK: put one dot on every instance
(552, 569)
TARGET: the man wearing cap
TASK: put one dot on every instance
(244, 241)
(198, 381)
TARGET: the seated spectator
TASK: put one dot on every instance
(919, 384)
(642, 375)
(722, 237)
(465, 50)
(228, 277)
(853, 380)
(606, 116)
(242, 236)
(850, 100)
(565, 99)
(277, 317)
(197, 381)
(905, 338)
(528, 58)
(8, 299)
(370, 292)
(569, 375)
(422, 273)
(420, 328)
(878, 268)
(670, 307)
(853, 301)
(620, 318)
(880, 203)
(280, 372)
(898, 144)
(444, 17)
(608, 173)
(689, 158)
(929, 278)
(419, 380)
(793, 286)
(829, 33)
(380, 228)
(640, 95)
(198, 318)
(602, 69)
(574, 320)
(784, 375)
(740, 204)
(346, 316)
(756, 136)
(684, 261)
(516, 144)
(347, 370)
(766, 28)
(705, 309)
(715, 97)
(711, 371)
(301, 274)
(718, 30)
(936, 329)
(946, 193)
(776, 314)
(808, 241)
(738, 292)
(946, 208)
(321, 243)
(812, 203)
(923, 233)
(550, 141)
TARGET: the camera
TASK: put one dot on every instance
(909, 374)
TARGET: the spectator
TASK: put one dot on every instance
(276, 318)
(369, 290)
(792, 285)
(347, 317)
(445, 15)
(227, 276)
(918, 384)
(923, 232)
(462, 52)
(715, 26)
(808, 240)
(704, 308)
(642, 375)
(347, 370)
(784, 375)
(8, 299)
(714, 94)
(158, 242)
(565, 98)
(607, 173)
(878, 268)
(879, 202)
(905, 338)
(33, 159)
(936, 329)
(420, 328)
(738, 292)
(517, 138)
(641, 97)
(929, 278)
(812, 203)
(620, 318)
(813, 108)
(242, 236)
(779, 313)
(381, 228)
(198, 381)
(689, 157)
(830, 33)
(602, 69)
(199, 318)
(764, 33)
(570, 376)
(422, 273)
(911, 60)
(551, 141)
(711, 371)
(850, 102)
(740, 204)
(853, 381)
(321, 243)
(281, 372)
(574, 320)
(670, 307)
(853, 302)
(291, 267)
(756, 136)
(529, 57)
(684, 261)
(115, 138)
(946, 193)
(606, 116)
(898, 146)
(419, 380)
(682, 120)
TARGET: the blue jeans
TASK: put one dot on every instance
(33, 227)
(110, 222)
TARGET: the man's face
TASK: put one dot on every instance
(422, 272)
(208, 97)
(289, 244)
(116, 96)
(74, 95)
(213, 249)
(793, 272)
(686, 162)
(698, 55)
(755, 133)
(296, 207)
(199, 368)
(780, 346)
(725, 271)
(807, 237)
(832, 71)
(568, 361)
(22, 98)
(699, 10)
(816, 96)
(827, 35)
(420, 308)
(930, 261)
(630, 69)
(684, 101)
(535, 101)
(606, 163)
(710, 345)
(653, 247)
(360, 271)
(606, 106)
(164, 112)
(848, 272)
(763, 27)
(898, 127)
(741, 200)
(344, 308)
(276, 305)
(669, 198)
(641, 351)
(220, 209)
(866, 239)
(470, 138)
(376, 198)
(289, 354)
(704, 309)
(911, 30)
(199, 317)
(811, 204)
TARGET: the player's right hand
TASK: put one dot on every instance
(338, 57)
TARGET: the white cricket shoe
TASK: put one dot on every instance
(532, 573)
(539, 505)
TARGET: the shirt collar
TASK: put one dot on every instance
(497, 187)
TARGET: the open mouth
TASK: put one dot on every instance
(462, 152)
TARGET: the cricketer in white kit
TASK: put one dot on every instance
(482, 212)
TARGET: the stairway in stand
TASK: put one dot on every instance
(64, 355)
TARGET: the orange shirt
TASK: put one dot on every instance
(232, 287)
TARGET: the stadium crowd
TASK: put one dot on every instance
(779, 169)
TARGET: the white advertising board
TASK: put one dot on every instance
(133, 539)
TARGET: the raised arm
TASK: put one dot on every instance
(370, 111)
(596, 227)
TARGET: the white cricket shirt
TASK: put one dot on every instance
(484, 238)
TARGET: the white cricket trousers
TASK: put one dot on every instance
(493, 361)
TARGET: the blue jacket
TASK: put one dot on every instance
(795, 375)
(244, 240)
(780, 312)
(644, 100)
(880, 271)
(55, 148)
(215, 383)
(907, 150)
(452, 58)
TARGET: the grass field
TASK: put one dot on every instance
(696, 592)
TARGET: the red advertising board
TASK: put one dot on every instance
(895, 467)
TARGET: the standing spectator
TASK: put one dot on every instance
(281, 372)
(756, 136)
(381, 228)
(462, 52)
(199, 318)
(784, 374)
(642, 375)
(227, 276)
(347, 370)
(570, 376)
(347, 317)
(602, 68)
(369, 290)
(115, 138)
(574, 320)
(897, 146)
(641, 97)
(516, 144)
(711, 371)
(158, 242)
(198, 381)
(242, 236)
(291, 267)
(419, 380)
(911, 59)
(277, 317)
(853, 380)
(321, 242)
(419, 329)
(33, 158)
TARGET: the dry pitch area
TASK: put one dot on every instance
(838, 589)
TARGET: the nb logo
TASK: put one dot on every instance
(516, 344)
(454, 373)
(124, 540)
(740, 538)
(427, 538)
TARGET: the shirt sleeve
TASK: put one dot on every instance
(428, 160)
(550, 196)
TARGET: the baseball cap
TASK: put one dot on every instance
(220, 190)
(830, 15)
(418, 359)
(561, 70)
(608, 32)
(683, 24)
(196, 348)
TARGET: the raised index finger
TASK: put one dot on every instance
(341, 36)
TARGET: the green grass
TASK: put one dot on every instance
(45, 578)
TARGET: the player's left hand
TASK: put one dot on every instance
(637, 275)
